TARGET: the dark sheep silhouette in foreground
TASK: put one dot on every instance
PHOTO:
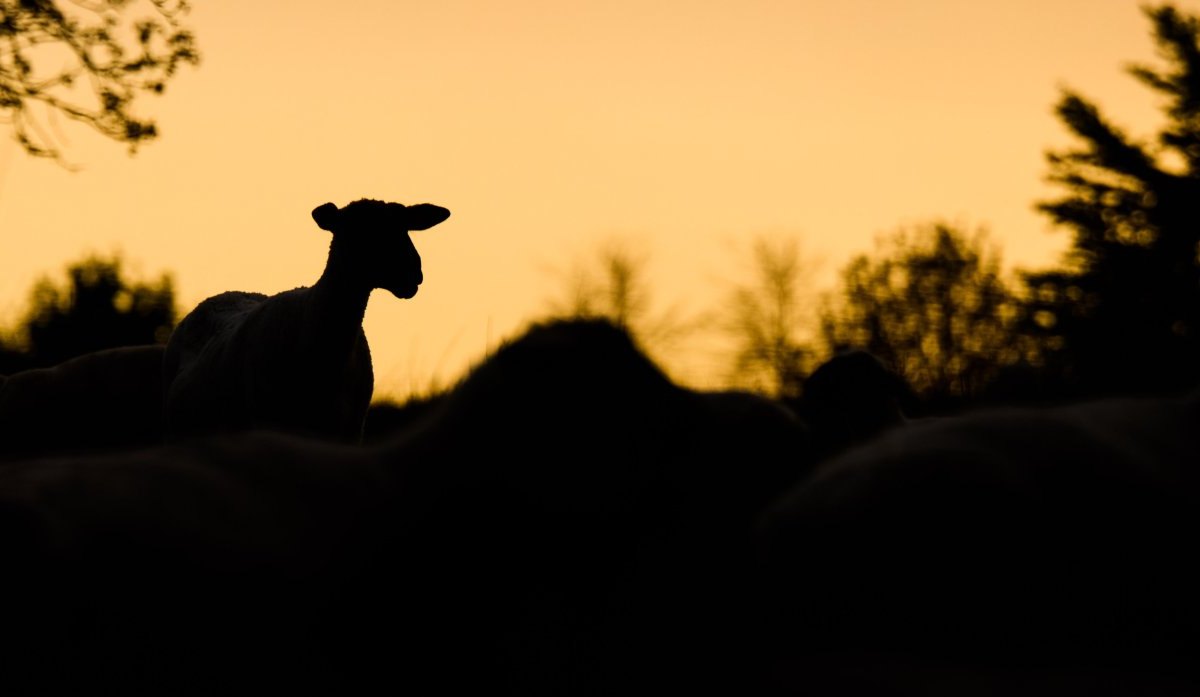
(568, 521)
(297, 361)
(1011, 547)
(104, 400)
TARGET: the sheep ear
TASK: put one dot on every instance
(425, 215)
(326, 216)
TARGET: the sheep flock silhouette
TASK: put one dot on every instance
(567, 520)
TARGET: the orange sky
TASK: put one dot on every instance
(547, 127)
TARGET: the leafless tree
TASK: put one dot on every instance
(770, 320)
(614, 283)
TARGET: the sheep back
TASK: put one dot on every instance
(245, 360)
(101, 400)
(187, 568)
(603, 503)
(1052, 536)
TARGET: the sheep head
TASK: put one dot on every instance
(373, 238)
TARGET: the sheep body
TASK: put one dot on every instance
(218, 378)
(556, 520)
(197, 570)
(1049, 537)
(850, 399)
(102, 400)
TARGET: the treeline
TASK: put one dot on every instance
(97, 307)
(1119, 315)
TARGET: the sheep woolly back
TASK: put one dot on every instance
(570, 461)
(1045, 534)
(198, 567)
(566, 510)
(590, 418)
(245, 360)
(106, 399)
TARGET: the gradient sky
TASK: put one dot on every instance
(685, 127)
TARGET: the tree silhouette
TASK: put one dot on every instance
(97, 308)
(614, 284)
(768, 319)
(1124, 315)
(933, 307)
(87, 61)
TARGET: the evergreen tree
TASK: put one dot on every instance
(1124, 315)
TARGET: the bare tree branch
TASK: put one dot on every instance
(89, 61)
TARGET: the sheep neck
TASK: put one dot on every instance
(339, 301)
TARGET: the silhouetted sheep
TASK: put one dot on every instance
(645, 491)
(852, 398)
(191, 570)
(1059, 542)
(567, 519)
(297, 361)
(102, 400)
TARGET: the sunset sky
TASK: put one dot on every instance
(686, 128)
